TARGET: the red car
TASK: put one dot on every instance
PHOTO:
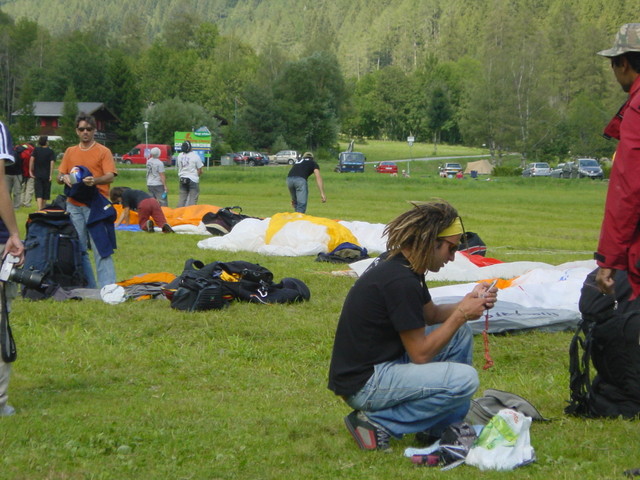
(387, 167)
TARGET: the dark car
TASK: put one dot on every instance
(253, 159)
(387, 167)
(583, 168)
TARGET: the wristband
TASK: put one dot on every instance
(466, 316)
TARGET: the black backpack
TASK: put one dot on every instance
(607, 337)
(214, 285)
(472, 244)
(222, 222)
(52, 248)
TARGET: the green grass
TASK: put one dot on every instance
(139, 391)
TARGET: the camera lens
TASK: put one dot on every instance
(29, 278)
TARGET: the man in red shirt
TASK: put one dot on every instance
(619, 245)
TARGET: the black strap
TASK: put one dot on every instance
(7, 345)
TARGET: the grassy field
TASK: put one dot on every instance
(139, 391)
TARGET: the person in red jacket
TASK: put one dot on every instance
(619, 244)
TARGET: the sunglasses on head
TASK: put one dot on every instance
(85, 129)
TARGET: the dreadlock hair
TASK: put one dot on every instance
(417, 230)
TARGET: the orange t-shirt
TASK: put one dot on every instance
(98, 159)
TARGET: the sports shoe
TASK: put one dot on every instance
(150, 228)
(166, 228)
(7, 411)
(367, 435)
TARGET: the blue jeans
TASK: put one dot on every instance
(104, 265)
(404, 397)
(299, 191)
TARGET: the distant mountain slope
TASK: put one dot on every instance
(365, 34)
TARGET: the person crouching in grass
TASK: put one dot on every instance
(144, 204)
(402, 362)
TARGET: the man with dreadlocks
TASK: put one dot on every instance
(400, 361)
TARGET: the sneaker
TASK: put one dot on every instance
(368, 435)
(166, 228)
(150, 228)
(7, 411)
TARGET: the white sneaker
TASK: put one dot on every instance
(7, 411)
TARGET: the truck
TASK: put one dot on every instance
(137, 154)
(351, 162)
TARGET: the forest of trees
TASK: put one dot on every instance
(512, 75)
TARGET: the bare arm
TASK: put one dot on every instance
(31, 162)
(320, 183)
(124, 216)
(422, 348)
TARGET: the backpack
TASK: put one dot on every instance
(24, 151)
(52, 248)
(472, 244)
(607, 338)
(222, 222)
(215, 285)
(346, 252)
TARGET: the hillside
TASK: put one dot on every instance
(366, 34)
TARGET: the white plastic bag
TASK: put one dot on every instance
(504, 443)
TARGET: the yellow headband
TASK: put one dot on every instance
(454, 229)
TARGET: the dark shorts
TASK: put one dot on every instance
(42, 187)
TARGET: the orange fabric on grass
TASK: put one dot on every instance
(191, 215)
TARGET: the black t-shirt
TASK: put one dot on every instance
(132, 198)
(388, 298)
(303, 168)
(42, 158)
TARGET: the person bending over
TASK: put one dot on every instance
(143, 203)
(399, 360)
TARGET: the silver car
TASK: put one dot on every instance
(537, 169)
(286, 156)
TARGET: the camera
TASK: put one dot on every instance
(10, 273)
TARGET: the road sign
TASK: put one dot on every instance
(410, 140)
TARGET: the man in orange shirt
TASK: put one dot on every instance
(99, 161)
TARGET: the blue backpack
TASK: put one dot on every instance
(52, 248)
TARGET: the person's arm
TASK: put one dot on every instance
(53, 166)
(440, 313)
(102, 180)
(124, 216)
(31, 162)
(423, 348)
(14, 245)
(320, 184)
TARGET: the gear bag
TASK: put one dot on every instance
(607, 337)
(222, 222)
(227, 281)
(52, 248)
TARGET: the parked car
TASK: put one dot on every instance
(387, 167)
(537, 169)
(252, 159)
(583, 168)
(140, 152)
(351, 162)
(557, 172)
(450, 169)
(286, 156)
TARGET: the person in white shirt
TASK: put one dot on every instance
(189, 171)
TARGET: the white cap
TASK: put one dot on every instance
(155, 152)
